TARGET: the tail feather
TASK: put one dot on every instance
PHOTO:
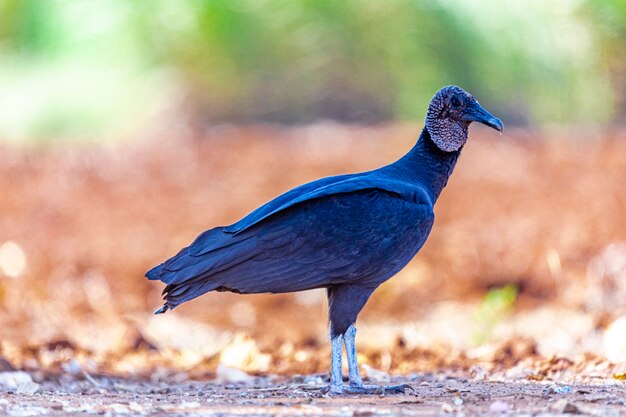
(176, 294)
(155, 273)
(190, 267)
(163, 309)
(220, 261)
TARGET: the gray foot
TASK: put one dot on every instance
(366, 389)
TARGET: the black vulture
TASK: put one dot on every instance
(347, 233)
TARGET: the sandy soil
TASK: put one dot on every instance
(435, 395)
(81, 225)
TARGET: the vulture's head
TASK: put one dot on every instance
(450, 113)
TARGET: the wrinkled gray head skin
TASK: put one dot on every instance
(449, 115)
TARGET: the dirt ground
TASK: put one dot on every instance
(435, 395)
(515, 306)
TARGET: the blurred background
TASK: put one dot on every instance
(127, 128)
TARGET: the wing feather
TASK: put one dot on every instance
(325, 239)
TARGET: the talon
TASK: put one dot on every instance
(366, 389)
(397, 389)
(332, 389)
(400, 389)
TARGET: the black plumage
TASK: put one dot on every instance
(347, 233)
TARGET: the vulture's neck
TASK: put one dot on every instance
(428, 165)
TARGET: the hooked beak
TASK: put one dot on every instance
(476, 113)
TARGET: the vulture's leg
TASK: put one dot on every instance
(336, 377)
(353, 364)
(356, 383)
(345, 303)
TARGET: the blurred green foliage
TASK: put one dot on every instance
(496, 304)
(105, 67)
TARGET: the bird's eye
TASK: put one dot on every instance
(455, 102)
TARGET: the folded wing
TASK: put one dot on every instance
(336, 233)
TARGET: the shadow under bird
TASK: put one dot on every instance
(347, 233)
